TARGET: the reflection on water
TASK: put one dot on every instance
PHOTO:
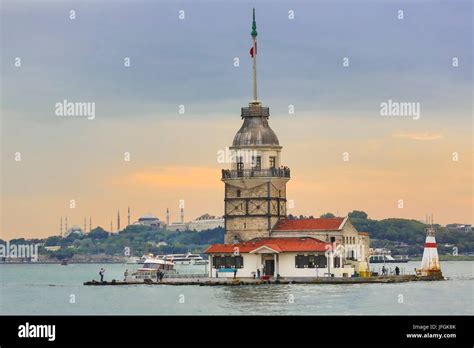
(46, 289)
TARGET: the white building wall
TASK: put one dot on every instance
(251, 263)
(201, 225)
(177, 227)
(285, 267)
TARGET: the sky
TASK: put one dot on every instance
(424, 161)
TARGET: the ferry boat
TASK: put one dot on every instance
(150, 268)
(386, 258)
(187, 259)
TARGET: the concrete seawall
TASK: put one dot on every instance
(251, 281)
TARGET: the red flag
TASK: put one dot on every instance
(251, 50)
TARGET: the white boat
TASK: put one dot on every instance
(133, 260)
(145, 257)
(187, 259)
(150, 268)
(187, 264)
(387, 258)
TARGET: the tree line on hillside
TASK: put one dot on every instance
(401, 236)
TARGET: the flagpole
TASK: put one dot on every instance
(255, 99)
(254, 37)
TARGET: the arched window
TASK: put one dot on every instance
(238, 193)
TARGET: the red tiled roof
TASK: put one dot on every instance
(279, 244)
(308, 224)
(364, 233)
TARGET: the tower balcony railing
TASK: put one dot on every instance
(283, 172)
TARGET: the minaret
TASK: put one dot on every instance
(128, 216)
(61, 226)
(111, 227)
(255, 186)
(167, 217)
(90, 223)
(118, 220)
(65, 228)
(182, 215)
(430, 262)
(85, 225)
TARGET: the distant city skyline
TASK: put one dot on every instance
(335, 63)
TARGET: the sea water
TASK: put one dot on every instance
(47, 289)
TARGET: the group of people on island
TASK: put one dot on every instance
(159, 275)
(385, 271)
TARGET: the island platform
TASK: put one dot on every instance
(251, 281)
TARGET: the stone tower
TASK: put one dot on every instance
(255, 186)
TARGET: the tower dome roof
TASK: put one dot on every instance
(255, 130)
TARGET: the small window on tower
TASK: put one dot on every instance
(272, 162)
(256, 162)
(238, 193)
(240, 164)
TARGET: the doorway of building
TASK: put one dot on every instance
(269, 267)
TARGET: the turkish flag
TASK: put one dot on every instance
(251, 50)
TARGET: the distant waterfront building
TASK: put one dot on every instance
(459, 227)
(206, 222)
(259, 238)
(52, 248)
(150, 220)
(74, 230)
(178, 227)
(201, 223)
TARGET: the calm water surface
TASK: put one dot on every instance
(46, 289)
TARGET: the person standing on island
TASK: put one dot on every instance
(258, 273)
(101, 273)
(384, 270)
(125, 275)
(235, 273)
(397, 271)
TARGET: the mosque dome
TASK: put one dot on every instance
(74, 230)
(148, 217)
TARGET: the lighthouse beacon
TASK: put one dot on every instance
(430, 266)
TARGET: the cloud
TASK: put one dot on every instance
(426, 136)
